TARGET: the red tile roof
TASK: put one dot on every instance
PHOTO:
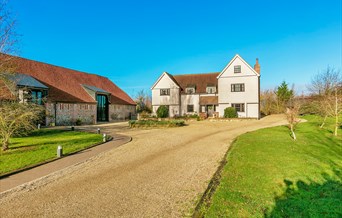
(201, 81)
(65, 85)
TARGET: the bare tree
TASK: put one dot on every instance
(327, 86)
(17, 119)
(144, 102)
(8, 45)
(292, 114)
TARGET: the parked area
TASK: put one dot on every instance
(161, 173)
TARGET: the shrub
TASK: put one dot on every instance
(230, 112)
(163, 111)
(78, 122)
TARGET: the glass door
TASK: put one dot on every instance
(102, 107)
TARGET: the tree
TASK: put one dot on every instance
(144, 102)
(326, 86)
(17, 119)
(8, 45)
(292, 118)
(284, 95)
(268, 102)
(163, 111)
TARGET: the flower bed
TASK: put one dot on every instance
(155, 123)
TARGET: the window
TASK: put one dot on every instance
(237, 69)
(190, 90)
(239, 107)
(190, 108)
(37, 97)
(211, 89)
(240, 87)
(165, 92)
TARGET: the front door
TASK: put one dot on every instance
(211, 110)
(102, 107)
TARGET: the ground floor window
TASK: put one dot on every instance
(239, 107)
(190, 108)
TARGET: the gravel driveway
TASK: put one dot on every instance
(161, 173)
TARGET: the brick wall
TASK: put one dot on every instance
(68, 113)
(121, 112)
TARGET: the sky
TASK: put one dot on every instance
(134, 42)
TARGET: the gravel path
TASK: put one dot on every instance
(161, 173)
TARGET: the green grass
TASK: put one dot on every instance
(269, 175)
(41, 146)
(155, 123)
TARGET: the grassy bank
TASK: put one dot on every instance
(269, 175)
(41, 146)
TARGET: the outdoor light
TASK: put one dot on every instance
(38, 125)
(104, 137)
(98, 130)
(59, 151)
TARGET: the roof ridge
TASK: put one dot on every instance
(191, 74)
(53, 65)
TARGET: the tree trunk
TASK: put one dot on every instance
(325, 118)
(293, 134)
(5, 144)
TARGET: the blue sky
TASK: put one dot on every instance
(133, 42)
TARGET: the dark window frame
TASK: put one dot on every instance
(187, 90)
(164, 92)
(239, 107)
(190, 108)
(237, 69)
(238, 87)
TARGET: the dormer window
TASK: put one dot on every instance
(211, 89)
(190, 89)
(237, 69)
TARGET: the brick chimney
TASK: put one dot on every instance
(257, 66)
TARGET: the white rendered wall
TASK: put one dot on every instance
(189, 100)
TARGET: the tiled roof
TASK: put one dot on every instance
(65, 85)
(208, 100)
(200, 81)
(26, 80)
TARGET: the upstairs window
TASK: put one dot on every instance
(237, 69)
(240, 87)
(239, 107)
(165, 92)
(190, 90)
(211, 89)
(37, 96)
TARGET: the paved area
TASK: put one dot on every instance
(161, 173)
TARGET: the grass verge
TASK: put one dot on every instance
(269, 175)
(41, 145)
(156, 123)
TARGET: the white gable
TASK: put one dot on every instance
(246, 69)
(164, 81)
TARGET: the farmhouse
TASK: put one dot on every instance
(70, 95)
(237, 85)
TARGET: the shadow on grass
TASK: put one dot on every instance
(309, 200)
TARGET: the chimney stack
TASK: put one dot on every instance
(257, 66)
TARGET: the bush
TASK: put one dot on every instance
(78, 122)
(163, 111)
(230, 112)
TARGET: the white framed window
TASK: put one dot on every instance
(239, 107)
(237, 69)
(211, 89)
(239, 87)
(164, 91)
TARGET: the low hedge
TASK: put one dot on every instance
(155, 123)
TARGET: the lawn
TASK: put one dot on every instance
(269, 175)
(41, 146)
